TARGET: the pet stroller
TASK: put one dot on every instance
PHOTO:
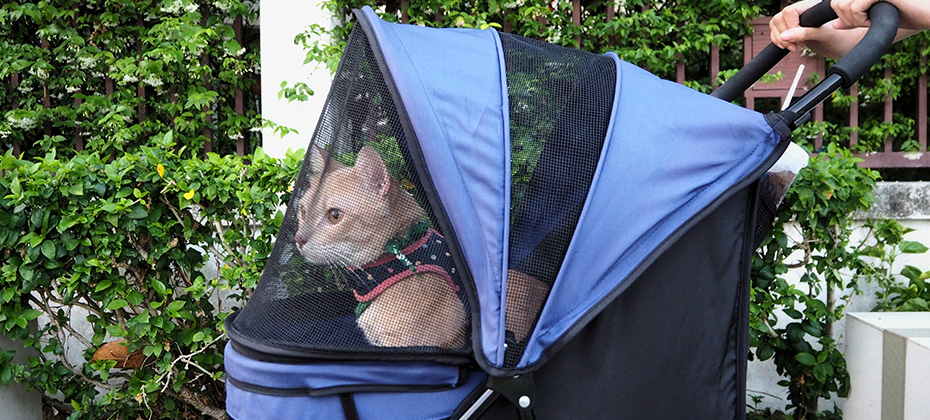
(482, 215)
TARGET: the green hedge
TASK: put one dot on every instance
(128, 244)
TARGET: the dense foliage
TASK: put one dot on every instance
(118, 233)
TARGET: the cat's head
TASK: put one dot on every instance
(348, 213)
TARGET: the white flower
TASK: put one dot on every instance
(25, 123)
(153, 81)
(173, 8)
(41, 73)
(128, 78)
(86, 62)
(191, 8)
(72, 89)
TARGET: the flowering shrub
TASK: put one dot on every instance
(123, 245)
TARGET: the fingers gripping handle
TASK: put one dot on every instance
(879, 37)
(881, 34)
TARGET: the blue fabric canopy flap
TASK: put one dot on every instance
(548, 179)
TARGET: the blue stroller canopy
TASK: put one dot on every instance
(668, 155)
(471, 202)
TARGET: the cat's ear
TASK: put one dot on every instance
(318, 158)
(373, 169)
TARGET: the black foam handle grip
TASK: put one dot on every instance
(874, 44)
(879, 37)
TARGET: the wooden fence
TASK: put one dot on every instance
(238, 105)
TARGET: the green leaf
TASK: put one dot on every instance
(765, 352)
(175, 306)
(135, 298)
(48, 249)
(76, 190)
(805, 359)
(138, 212)
(103, 285)
(159, 287)
(793, 313)
(913, 247)
(7, 293)
(117, 304)
(911, 272)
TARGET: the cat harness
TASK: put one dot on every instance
(428, 254)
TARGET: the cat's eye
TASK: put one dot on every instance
(334, 215)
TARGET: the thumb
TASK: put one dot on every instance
(800, 35)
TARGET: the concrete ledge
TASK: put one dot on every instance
(900, 200)
(888, 358)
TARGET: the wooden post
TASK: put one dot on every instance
(14, 82)
(208, 117)
(576, 19)
(140, 87)
(78, 136)
(854, 115)
(611, 13)
(240, 98)
(922, 108)
(889, 113)
(46, 98)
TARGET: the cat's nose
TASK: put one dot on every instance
(300, 241)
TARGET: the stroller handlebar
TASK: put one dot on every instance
(850, 68)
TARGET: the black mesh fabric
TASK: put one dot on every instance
(359, 265)
(560, 105)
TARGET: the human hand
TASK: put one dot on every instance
(914, 14)
(787, 33)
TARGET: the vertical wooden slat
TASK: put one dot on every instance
(611, 13)
(576, 19)
(108, 85)
(14, 82)
(714, 65)
(404, 16)
(922, 108)
(889, 113)
(208, 117)
(680, 71)
(140, 88)
(818, 116)
(46, 97)
(854, 115)
(240, 98)
(78, 136)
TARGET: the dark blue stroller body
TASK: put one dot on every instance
(599, 223)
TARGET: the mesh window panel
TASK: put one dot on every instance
(560, 105)
(359, 266)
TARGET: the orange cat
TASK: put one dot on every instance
(348, 214)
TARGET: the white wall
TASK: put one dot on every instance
(282, 60)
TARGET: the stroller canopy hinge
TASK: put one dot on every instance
(520, 390)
